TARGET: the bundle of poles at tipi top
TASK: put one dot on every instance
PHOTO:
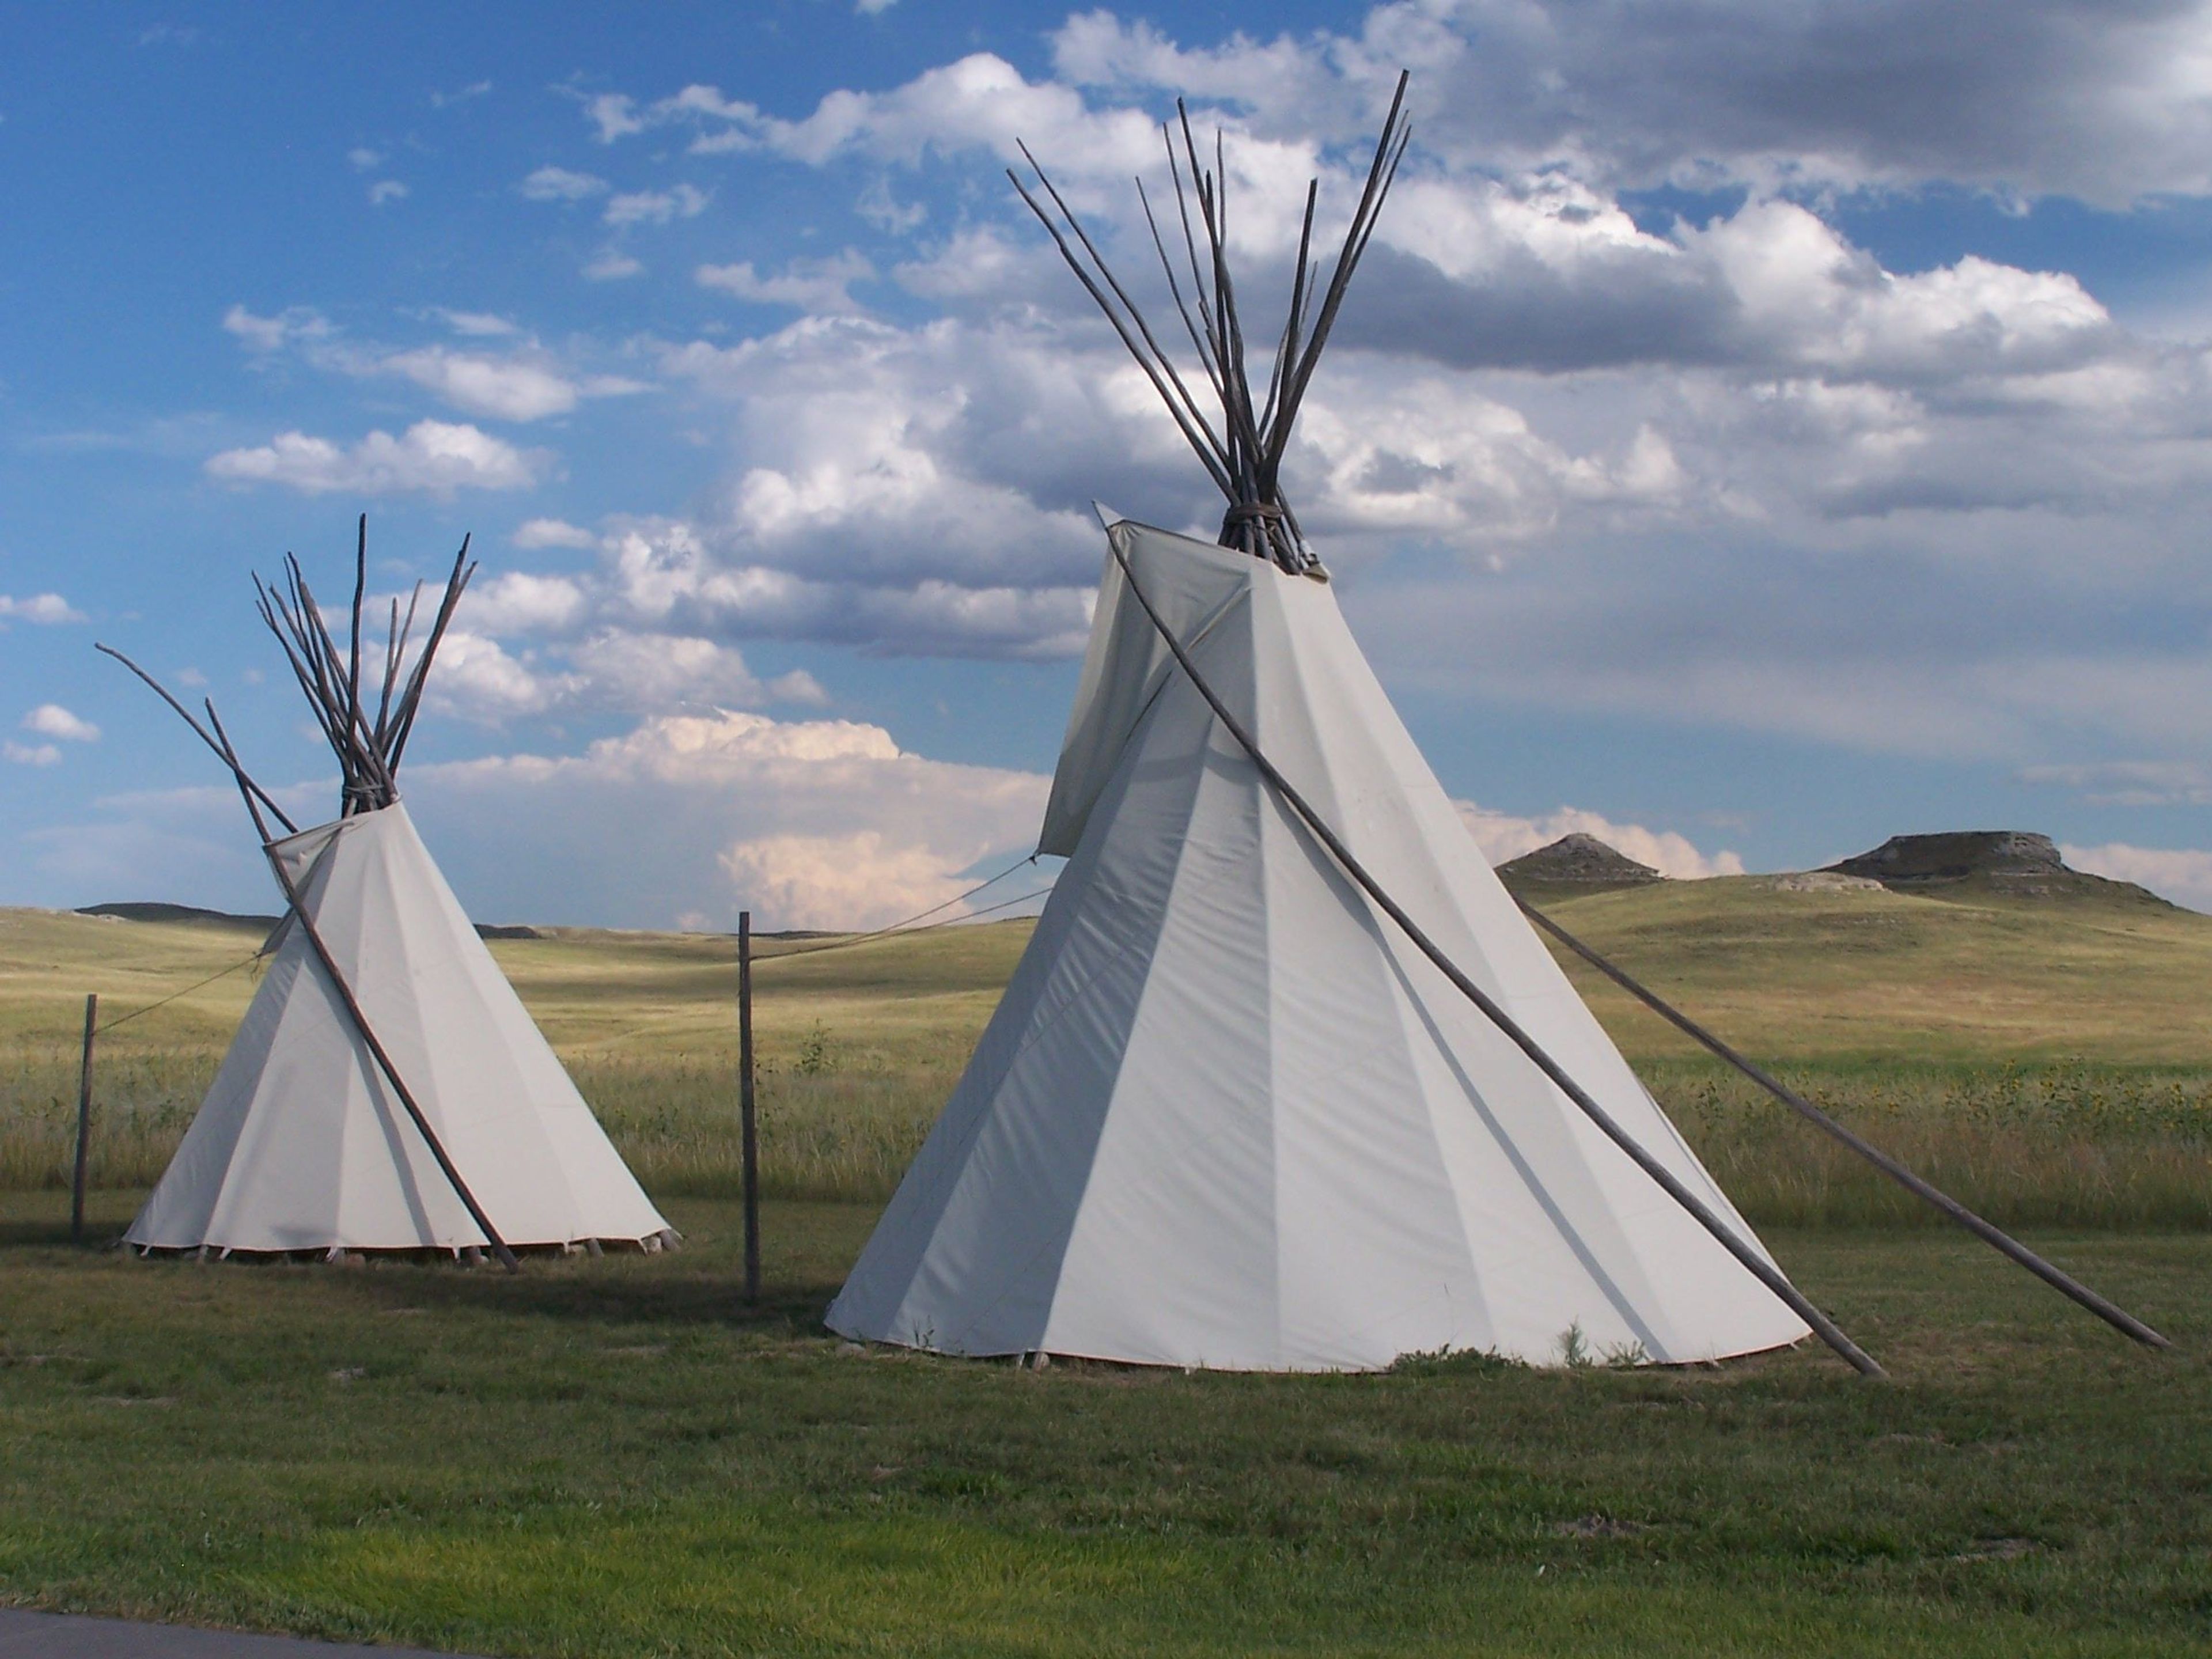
(368, 749)
(1244, 456)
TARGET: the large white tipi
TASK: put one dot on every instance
(387, 1090)
(1228, 1114)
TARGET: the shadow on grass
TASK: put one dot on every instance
(701, 1284)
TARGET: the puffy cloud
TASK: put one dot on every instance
(431, 457)
(2181, 874)
(839, 881)
(665, 573)
(477, 679)
(528, 386)
(2034, 96)
(817, 286)
(611, 264)
(43, 754)
(1502, 836)
(526, 383)
(505, 390)
(292, 325)
(1735, 471)
(551, 183)
(816, 822)
(656, 207)
(518, 602)
(647, 672)
(480, 325)
(523, 644)
(386, 190)
(52, 720)
(614, 114)
(45, 609)
(552, 533)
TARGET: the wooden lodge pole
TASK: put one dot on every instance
(83, 1117)
(384, 1063)
(747, 1117)
(2113, 1315)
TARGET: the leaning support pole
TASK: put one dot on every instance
(384, 1062)
(749, 1123)
(83, 1117)
(2118, 1318)
(1752, 1262)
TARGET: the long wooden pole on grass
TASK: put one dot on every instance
(748, 1121)
(1665, 1179)
(2117, 1317)
(84, 1116)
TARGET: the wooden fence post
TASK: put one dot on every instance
(83, 1117)
(748, 1118)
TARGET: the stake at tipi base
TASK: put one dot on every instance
(386, 1089)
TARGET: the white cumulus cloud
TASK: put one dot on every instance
(506, 389)
(44, 609)
(430, 458)
(551, 183)
(51, 720)
(807, 823)
(818, 286)
(656, 207)
(552, 533)
(2181, 874)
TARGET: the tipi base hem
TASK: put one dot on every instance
(1041, 1358)
(652, 1243)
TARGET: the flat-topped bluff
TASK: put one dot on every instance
(2013, 864)
(2005, 863)
(157, 910)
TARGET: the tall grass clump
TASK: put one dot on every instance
(145, 1094)
(837, 1121)
(2065, 1144)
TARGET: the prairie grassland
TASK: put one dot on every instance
(620, 1456)
(2049, 1064)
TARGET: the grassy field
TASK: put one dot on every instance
(2052, 1064)
(617, 1457)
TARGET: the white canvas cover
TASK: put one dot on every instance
(302, 1144)
(1226, 1114)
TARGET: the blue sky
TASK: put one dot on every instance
(1758, 430)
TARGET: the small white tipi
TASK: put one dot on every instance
(308, 1140)
(1226, 1114)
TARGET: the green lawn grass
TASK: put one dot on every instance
(618, 1457)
